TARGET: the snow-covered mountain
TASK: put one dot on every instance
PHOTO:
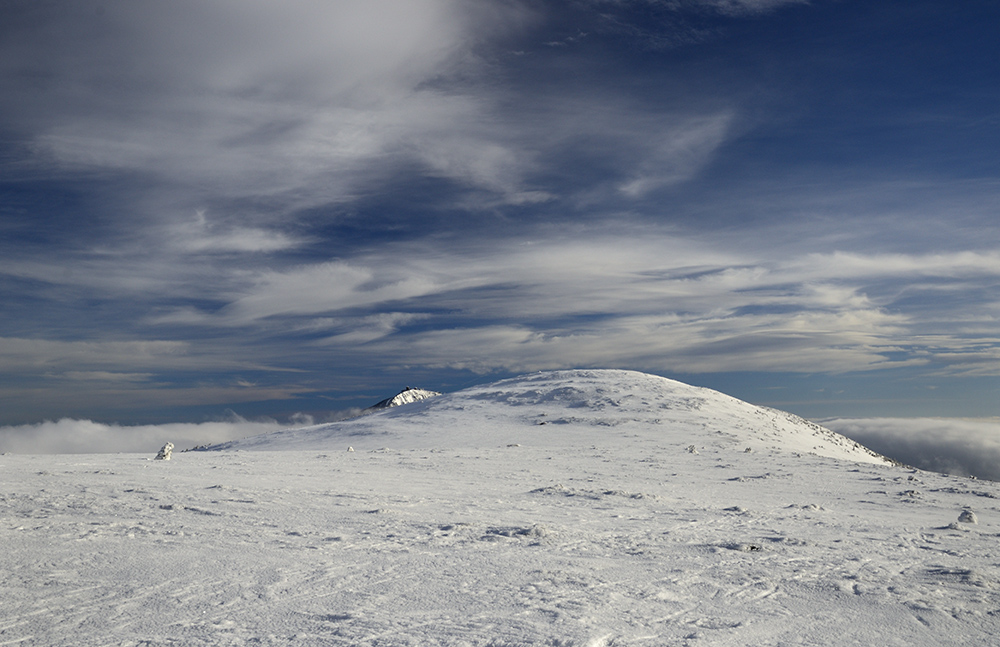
(406, 396)
(569, 408)
(570, 509)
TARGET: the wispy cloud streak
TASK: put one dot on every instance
(665, 303)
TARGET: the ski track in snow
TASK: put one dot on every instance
(594, 535)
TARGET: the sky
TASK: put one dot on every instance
(247, 210)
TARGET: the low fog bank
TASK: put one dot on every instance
(71, 436)
(952, 446)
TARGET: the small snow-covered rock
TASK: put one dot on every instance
(165, 452)
(968, 516)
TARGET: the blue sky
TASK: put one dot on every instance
(300, 207)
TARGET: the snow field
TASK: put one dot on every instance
(597, 545)
(565, 509)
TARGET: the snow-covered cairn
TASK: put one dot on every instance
(165, 452)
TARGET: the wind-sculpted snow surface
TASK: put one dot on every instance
(572, 407)
(605, 526)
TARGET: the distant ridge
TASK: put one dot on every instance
(406, 396)
(571, 409)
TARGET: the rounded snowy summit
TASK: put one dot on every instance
(572, 407)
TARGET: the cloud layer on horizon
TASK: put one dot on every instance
(68, 436)
(848, 311)
(958, 447)
(661, 303)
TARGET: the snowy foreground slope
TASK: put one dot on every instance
(460, 520)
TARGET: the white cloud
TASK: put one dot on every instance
(69, 436)
(312, 103)
(952, 446)
(18, 352)
(731, 7)
(638, 295)
(741, 7)
(656, 301)
(845, 265)
(366, 329)
(121, 362)
(213, 132)
(678, 153)
(325, 287)
(244, 99)
(200, 236)
(106, 376)
(656, 343)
